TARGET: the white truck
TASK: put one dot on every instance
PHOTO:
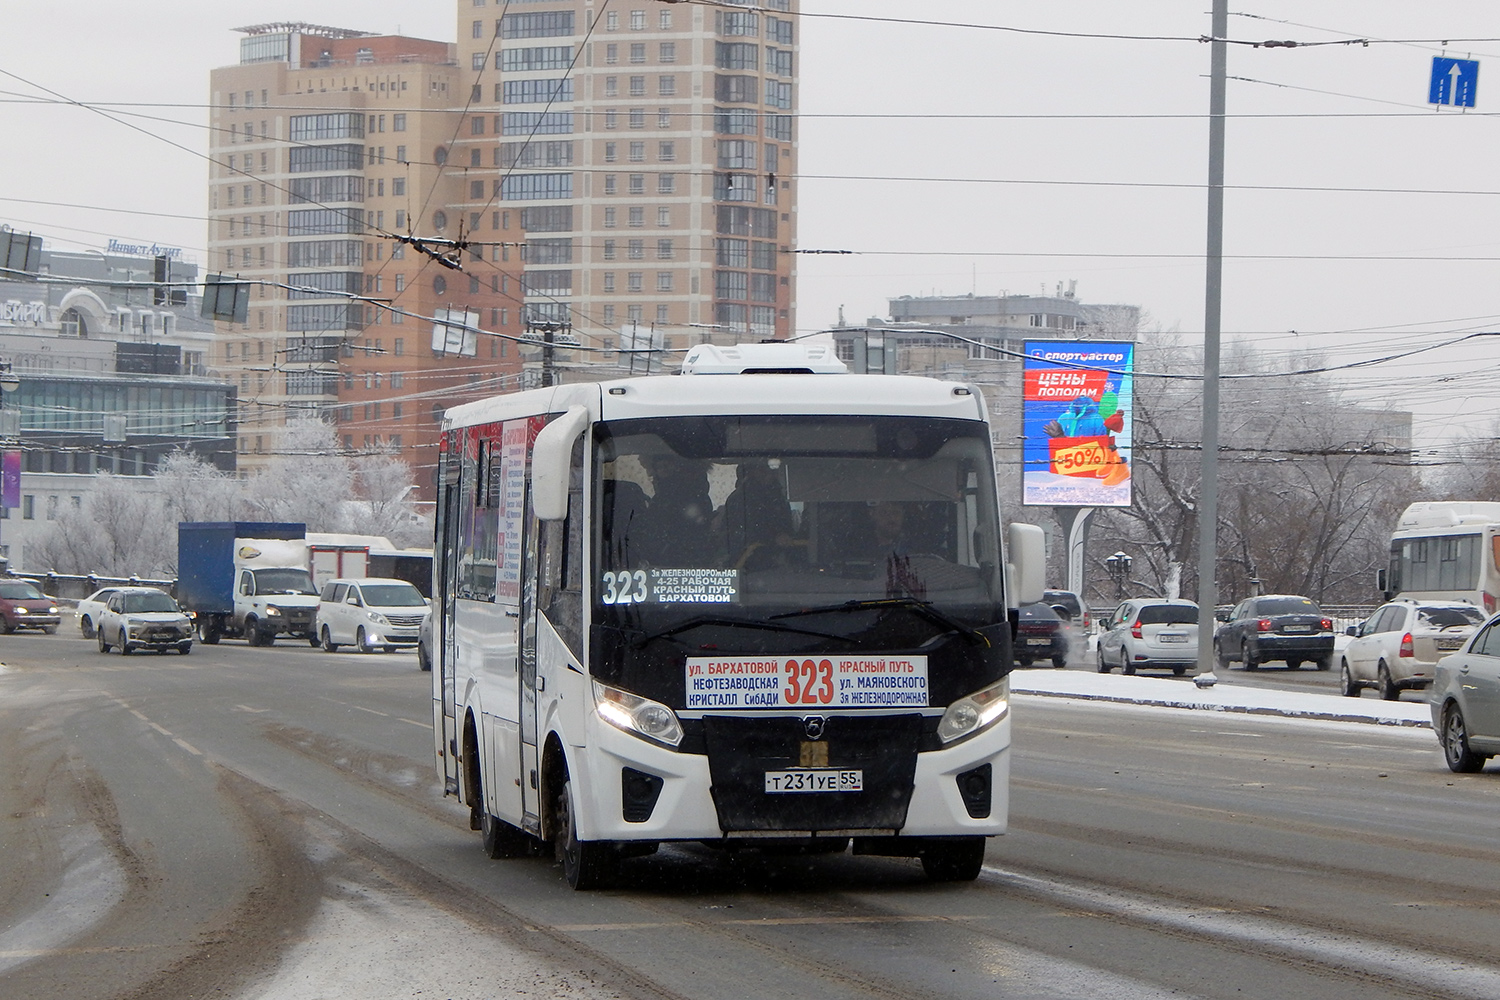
(246, 579)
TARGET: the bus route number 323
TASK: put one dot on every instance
(625, 587)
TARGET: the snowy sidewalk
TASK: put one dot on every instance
(1222, 697)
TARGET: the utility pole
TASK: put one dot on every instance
(1208, 497)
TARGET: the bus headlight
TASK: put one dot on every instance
(636, 715)
(975, 713)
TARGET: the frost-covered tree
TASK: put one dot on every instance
(383, 500)
(119, 528)
(308, 481)
(194, 490)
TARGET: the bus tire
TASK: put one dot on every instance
(953, 859)
(587, 864)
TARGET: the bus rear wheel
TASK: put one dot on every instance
(587, 864)
(954, 859)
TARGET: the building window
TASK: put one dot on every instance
(612, 21)
(476, 61)
(637, 183)
(28, 507)
(664, 20)
(664, 217)
(637, 52)
(609, 183)
(637, 117)
(609, 218)
(666, 85)
(736, 55)
(666, 152)
(637, 20)
(778, 95)
(666, 183)
(611, 54)
(663, 281)
(637, 218)
(634, 281)
(664, 250)
(609, 315)
(609, 281)
(611, 86)
(609, 250)
(609, 118)
(636, 249)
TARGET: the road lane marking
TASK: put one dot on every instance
(187, 746)
(383, 715)
(413, 722)
(1340, 951)
(253, 711)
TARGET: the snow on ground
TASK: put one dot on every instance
(1222, 697)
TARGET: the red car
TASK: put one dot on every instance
(23, 606)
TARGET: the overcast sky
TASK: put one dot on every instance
(1358, 216)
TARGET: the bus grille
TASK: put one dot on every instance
(741, 750)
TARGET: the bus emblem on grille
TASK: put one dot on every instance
(813, 727)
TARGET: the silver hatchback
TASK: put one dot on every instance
(1150, 633)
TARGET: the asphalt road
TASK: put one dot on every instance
(264, 823)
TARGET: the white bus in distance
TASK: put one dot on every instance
(1446, 551)
(762, 603)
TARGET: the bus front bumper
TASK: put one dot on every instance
(640, 791)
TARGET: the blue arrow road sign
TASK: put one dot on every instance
(1454, 82)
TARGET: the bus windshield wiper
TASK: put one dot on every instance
(915, 605)
(702, 621)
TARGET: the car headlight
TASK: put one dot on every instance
(378, 618)
(273, 612)
(973, 714)
(51, 611)
(22, 611)
(636, 715)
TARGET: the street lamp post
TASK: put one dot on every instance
(1118, 566)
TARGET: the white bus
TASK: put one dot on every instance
(756, 604)
(1447, 550)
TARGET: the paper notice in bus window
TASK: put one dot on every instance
(670, 586)
(720, 682)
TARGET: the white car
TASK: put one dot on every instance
(370, 613)
(91, 609)
(1397, 648)
(143, 618)
(1149, 633)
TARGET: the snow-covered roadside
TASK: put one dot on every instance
(1221, 697)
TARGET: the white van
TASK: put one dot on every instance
(369, 613)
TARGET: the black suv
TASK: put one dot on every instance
(1275, 627)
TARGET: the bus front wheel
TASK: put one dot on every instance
(954, 859)
(587, 864)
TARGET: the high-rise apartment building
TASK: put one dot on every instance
(621, 173)
(645, 154)
(329, 145)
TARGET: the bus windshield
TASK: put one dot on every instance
(773, 530)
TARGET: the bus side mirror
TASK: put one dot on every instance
(1027, 568)
(550, 457)
(1380, 582)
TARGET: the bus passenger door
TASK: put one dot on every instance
(530, 764)
(443, 648)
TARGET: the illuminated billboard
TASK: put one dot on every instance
(1076, 423)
